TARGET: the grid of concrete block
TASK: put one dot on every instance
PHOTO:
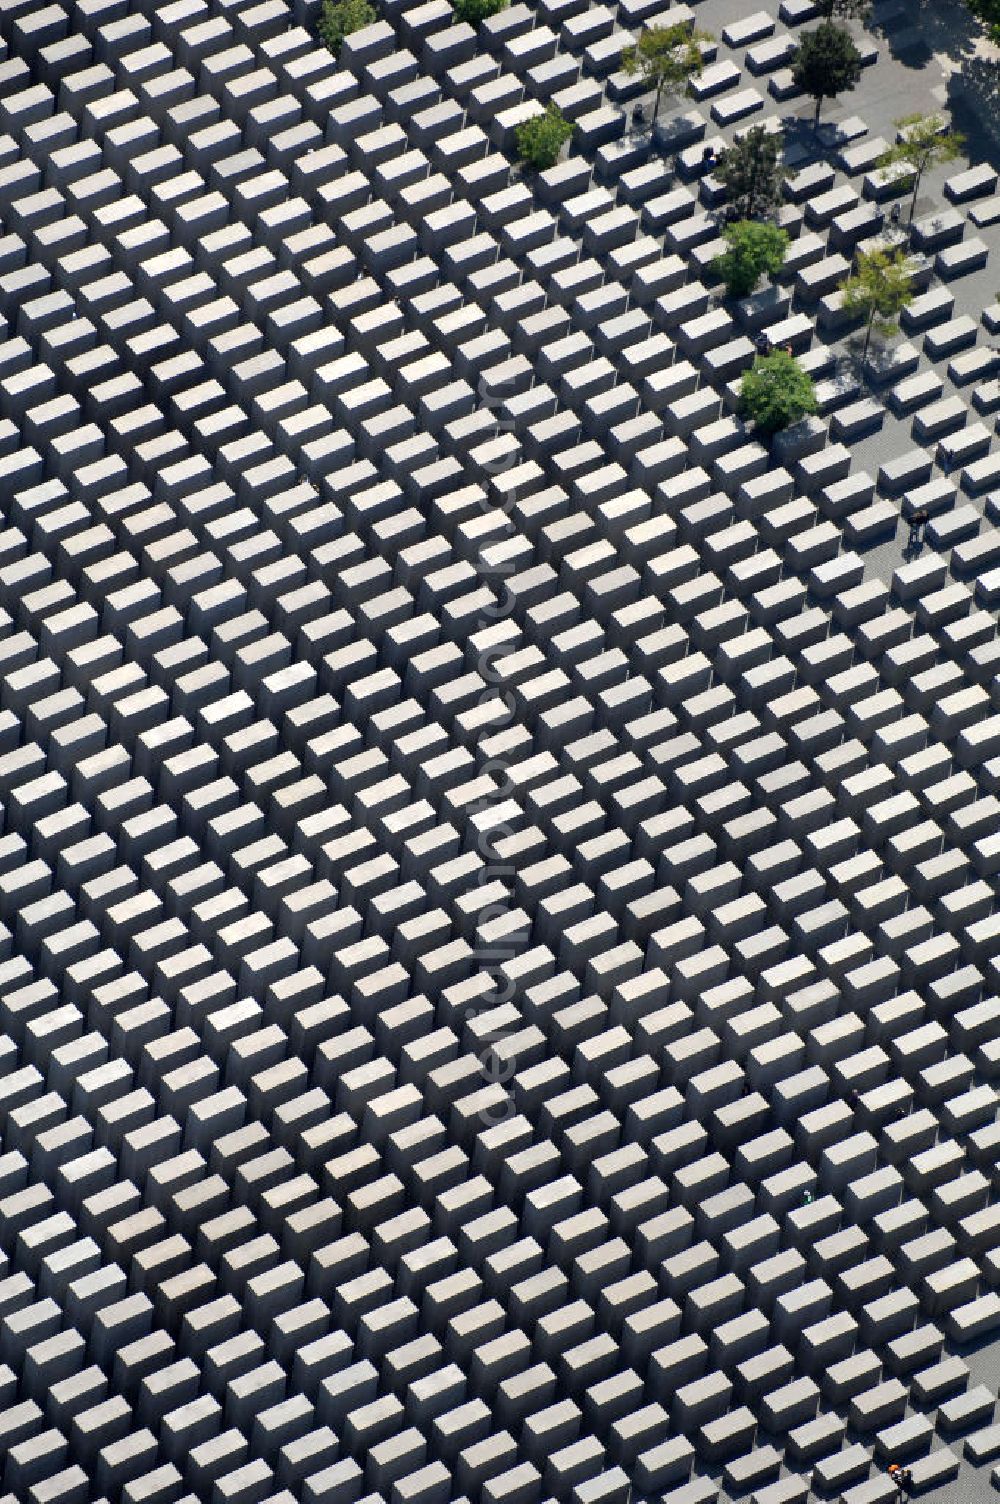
(499, 942)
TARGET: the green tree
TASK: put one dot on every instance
(987, 11)
(826, 63)
(879, 290)
(924, 141)
(775, 392)
(339, 18)
(477, 11)
(666, 56)
(541, 139)
(752, 171)
(753, 249)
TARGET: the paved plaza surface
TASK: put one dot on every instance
(499, 940)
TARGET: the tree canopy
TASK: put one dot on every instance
(752, 171)
(339, 18)
(474, 12)
(776, 391)
(924, 141)
(879, 290)
(987, 11)
(827, 63)
(541, 139)
(666, 56)
(754, 249)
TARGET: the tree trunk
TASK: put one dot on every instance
(913, 200)
(819, 103)
(656, 101)
(868, 335)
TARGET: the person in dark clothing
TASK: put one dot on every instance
(918, 521)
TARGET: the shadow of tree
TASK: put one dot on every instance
(855, 367)
(918, 29)
(908, 49)
(801, 142)
(974, 102)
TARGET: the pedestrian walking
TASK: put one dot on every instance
(918, 521)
